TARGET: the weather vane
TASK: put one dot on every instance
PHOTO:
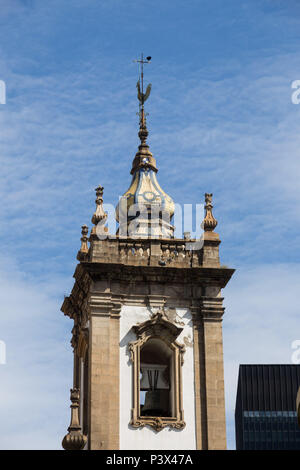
(142, 97)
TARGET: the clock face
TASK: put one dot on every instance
(149, 196)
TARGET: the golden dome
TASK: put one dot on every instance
(144, 190)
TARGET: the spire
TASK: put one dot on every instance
(145, 200)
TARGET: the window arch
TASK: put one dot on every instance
(157, 378)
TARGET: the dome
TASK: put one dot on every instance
(145, 202)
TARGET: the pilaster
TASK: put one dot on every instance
(209, 374)
(104, 373)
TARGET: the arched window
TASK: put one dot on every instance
(157, 379)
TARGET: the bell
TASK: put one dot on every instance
(156, 403)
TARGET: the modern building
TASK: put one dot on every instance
(298, 406)
(265, 413)
(147, 335)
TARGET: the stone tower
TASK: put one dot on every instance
(147, 335)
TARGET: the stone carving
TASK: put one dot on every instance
(173, 317)
(74, 440)
(188, 341)
(84, 249)
(209, 222)
(99, 215)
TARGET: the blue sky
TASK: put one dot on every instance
(220, 119)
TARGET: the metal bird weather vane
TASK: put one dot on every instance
(142, 97)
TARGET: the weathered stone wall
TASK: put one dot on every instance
(117, 283)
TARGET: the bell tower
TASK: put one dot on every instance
(147, 324)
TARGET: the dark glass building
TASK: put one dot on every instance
(265, 412)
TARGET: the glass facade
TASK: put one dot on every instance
(271, 430)
(265, 415)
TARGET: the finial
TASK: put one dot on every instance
(209, 222)
(84, 249)
(144, 157)
(99, 215)
(74, 440)
(142, 97)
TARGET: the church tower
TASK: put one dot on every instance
(147, 313)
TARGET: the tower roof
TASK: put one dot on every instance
(144, 193)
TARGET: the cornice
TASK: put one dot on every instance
(119, 272)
